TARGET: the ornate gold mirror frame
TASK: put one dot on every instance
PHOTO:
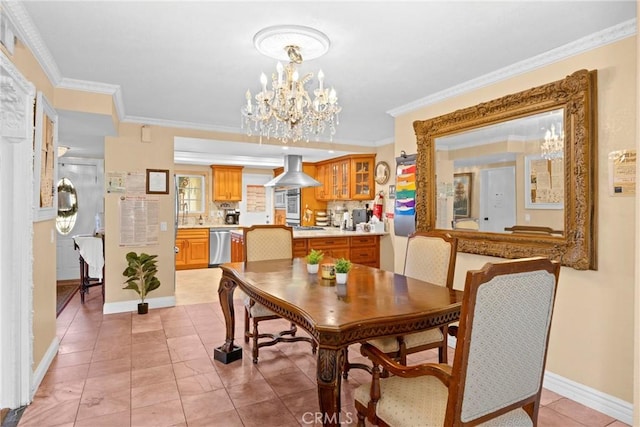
(576, 94)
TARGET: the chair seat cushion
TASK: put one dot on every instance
(422, 401)
(257, 310)
(390, 344)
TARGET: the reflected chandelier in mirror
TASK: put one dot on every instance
(535, 152)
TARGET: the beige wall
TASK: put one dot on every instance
(592, 333)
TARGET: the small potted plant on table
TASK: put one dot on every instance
(342, 268)
(141, 277)
(313, 261)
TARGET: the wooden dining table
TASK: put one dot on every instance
(373, 303)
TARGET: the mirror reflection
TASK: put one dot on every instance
(501, 176)
(67, 206)
(514, 176)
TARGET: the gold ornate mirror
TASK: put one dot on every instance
(515, 177)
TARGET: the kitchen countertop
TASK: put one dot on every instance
(226, 226)
(327, 232)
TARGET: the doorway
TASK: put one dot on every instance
(87, 175)
(497, 198)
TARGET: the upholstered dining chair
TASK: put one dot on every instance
(431, 257)
(262, 243)
(496, 377)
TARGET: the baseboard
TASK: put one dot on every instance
(43, 366)
(590, 397)
(132, 305)
(587, 396)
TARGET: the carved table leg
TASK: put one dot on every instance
(227, 352)
(329, 369)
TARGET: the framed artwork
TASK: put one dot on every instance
(157, 181)
(462, 185)
(543, 182)
(45, 160)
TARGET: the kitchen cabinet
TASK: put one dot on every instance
(280, 217)
(365, 250)
(227, 183)
(237, 247)
(361, 249)
(337, 247)
(322, 174)
(193, 248)
(361, 178)
(346, 178)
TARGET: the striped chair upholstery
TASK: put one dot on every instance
(263, 243)
(497, 373)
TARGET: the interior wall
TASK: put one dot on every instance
(591, 339)
(385, 153)
(44, 233)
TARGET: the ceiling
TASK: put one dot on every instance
(189, 64)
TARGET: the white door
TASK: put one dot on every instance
(497, 199)
(87, 177)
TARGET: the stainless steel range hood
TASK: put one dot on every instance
(293, 177)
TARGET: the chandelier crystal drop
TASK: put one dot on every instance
(552, 146)
(285, 110)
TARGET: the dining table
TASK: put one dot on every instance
(373, 303)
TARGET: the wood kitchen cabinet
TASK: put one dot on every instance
(365, 250)
(193, 248)
(227, 183)
(361, 177)
(237, 247)
(337, 247)
(346, 178)
(361, 249)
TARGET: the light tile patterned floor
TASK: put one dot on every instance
(157, 370)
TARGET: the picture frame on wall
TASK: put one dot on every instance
(157, 181)
(543, 182)
(462, 185)
(45, 160)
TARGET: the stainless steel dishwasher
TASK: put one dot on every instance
(219, 246)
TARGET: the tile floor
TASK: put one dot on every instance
(157, 370)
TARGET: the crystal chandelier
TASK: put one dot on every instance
(553, 145)
(285, 110)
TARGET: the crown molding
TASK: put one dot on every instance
(27, 32)
(592, 41)
(97, 87)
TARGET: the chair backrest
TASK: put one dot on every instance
(264, 242)
(502, 340)
(431, 257)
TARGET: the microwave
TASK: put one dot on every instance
(280, 199)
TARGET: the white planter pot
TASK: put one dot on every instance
(313, 268)
(341, 278)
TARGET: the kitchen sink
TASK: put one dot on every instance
(306, 227)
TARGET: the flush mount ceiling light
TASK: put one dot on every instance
(286, 111)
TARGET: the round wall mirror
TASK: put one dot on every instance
(67, 206)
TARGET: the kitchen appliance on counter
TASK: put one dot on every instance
(359, 216)
(337, 218)
(232, 217)
(219, 246)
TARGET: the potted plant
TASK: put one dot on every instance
(313, 260)
(141, 276)
(342, 268)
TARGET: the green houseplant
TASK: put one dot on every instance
(141, 276)
(342, 268)
(313, 260)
